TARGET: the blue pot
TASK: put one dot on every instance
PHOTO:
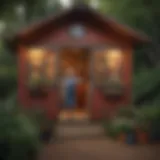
(155, 133)
(155, 136)
(130, 138)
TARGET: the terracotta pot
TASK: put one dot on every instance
(142, 137)
(121, 137)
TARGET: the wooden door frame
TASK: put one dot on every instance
(92, 52)
(89, 70)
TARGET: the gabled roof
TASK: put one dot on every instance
(79, 11)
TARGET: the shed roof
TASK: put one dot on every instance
(78, 11)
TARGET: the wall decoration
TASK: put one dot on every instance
(77, 31)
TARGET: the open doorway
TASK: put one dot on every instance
(77, 60)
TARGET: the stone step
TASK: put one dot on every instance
(71, 131)
(74, 122)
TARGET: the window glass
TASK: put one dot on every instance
(108, 64)
(41, 67)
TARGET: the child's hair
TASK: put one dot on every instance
(69, 71)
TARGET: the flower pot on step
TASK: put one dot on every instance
(131, 138)
(154, 136)
(142, 137)
(122, 137)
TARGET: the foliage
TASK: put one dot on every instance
(18, 134)
(119, 126)
(148, 117)
(126, 112)
(144, 18)
(145, 84)
(8, 73)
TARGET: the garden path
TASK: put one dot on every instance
(98, 149)
(95, 147)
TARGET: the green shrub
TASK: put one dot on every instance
(118, 126)
(18, 133)
(148, 116)
(8, 83)
(126, 112)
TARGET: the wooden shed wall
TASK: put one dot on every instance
(94, 37)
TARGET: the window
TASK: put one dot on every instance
(108, 70)
(108, 61)
(113, 60)
(41, 69)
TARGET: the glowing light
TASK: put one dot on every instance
(113, 59)
(66, 3)
(36, 56)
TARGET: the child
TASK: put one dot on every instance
(70, 82)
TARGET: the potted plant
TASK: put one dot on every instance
(130, 132)
(154, 131)
(142, 126)
(121, 133)
(110, 129)
(126, 131)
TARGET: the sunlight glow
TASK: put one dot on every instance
(36, 56)
(94, 3)
(66, 3)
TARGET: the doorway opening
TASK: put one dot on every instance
(77, 61)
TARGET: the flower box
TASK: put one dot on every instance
(113, 88)
(38, 92)
(39, 87)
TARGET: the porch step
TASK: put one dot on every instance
(74, 122)
(79, 131)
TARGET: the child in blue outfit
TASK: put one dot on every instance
(70, 84)
(70, 92)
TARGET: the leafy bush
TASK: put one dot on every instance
(148, 117)
(118, 126)
(8, 82)
(19, 136)
(126, 112)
